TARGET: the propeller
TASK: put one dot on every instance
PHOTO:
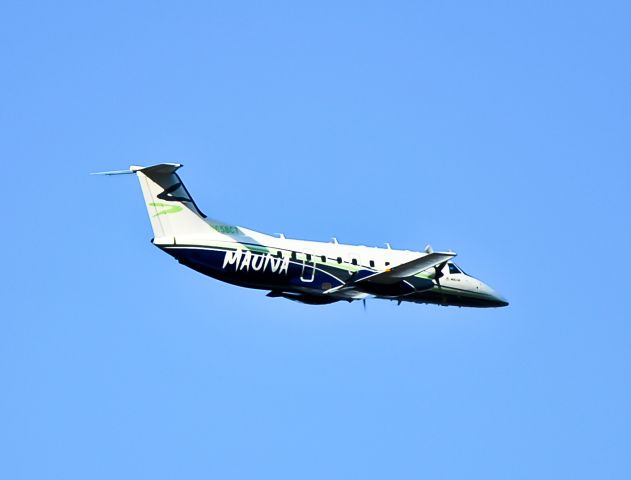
(438, 269)
(438, 272)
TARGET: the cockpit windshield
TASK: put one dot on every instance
(453, 269)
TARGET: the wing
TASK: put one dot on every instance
(395, 274)
(408, 269)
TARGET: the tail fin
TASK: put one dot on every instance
(172, 210)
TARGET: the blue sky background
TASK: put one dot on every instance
(499, 130)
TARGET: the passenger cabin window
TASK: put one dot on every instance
(372, 263)
(453, 269)
(354, 262)
(308, 257)
(294, 255)
(323, 258)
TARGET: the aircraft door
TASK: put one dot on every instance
(308, 271)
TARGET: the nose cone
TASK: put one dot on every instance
(499, 300)
(493, 298)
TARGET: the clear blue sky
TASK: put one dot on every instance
(497, 129)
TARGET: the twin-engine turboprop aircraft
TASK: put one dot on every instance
(315, 273)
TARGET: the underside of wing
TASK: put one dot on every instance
(307, 298)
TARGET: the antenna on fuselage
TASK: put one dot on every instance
(388, 246)
(335, 241)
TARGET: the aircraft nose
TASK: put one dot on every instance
(494, 298)
(500, 300)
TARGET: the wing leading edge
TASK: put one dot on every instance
(395, 274)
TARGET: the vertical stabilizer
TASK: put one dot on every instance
(173, 213)
(175, 217)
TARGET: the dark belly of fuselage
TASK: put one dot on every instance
(451, 298)
(259, 270)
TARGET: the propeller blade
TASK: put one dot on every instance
(438, 272)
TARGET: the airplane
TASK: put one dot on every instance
(310, 272)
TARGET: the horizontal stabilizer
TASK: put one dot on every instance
(159, 168)
(114, 172)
